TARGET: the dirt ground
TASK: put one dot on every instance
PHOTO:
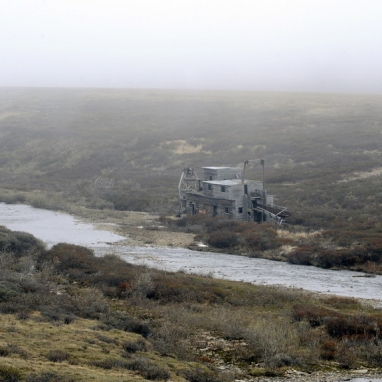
(141, 229)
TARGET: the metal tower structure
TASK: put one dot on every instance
(188, 181)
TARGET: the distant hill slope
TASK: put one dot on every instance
(65, 139)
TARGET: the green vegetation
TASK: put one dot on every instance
(289, 244)
(67, 315)
(124, 149)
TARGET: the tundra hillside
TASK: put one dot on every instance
(68, 316)
(125, 149)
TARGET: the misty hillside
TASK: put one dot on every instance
(319, 149)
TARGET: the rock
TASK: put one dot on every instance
(360, 371)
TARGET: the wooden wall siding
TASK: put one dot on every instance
(216, 192)
(200, 198)
(203, 204)
(216, 202)
(237, 191)
(254, 185)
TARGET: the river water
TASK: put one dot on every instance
(55, 227)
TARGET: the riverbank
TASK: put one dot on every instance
(362, 375)
(53, 227)
(139, 228)
(223, 323)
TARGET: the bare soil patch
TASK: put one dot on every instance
(140, 229)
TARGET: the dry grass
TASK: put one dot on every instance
(182, 147)
(81, 340)
(362, 174)
(299, 236)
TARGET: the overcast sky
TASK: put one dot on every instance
(283, 45)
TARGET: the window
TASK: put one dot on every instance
(210, 177)
(226, 210)
(209, 187)
(222, 188)
(240, 210)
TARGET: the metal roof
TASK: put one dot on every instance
(230, 182)
(221, 168)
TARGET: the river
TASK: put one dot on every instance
(55, 227)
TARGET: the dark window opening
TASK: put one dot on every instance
(209, 187)
(222, 188)
(240, 210)
(226, 210)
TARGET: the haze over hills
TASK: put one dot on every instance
(108, 149)
(64, 139)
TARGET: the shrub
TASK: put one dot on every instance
(48, 376)
(301, 256)
(375, 250)
(4, 352)
(260, 238)
(128, 324)
(18, 243)
(328, 350)
(9, 291)
(340, 302)
(143, 285)
(315, 315)
(359, 326)
(148, 369)
(91, 302)
(16, 349)
(107, 340)
(10, 374)
(57, 355)
(135, 346)
(69, 257)
(346, 354)
(281, 359)
(222, 239)
(201, 375)
(109, 363)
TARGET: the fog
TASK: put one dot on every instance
(262, 45)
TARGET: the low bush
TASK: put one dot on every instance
(48, 376)
(19, 243)
(68, 258)
(16, 349)
(315, 315)
(10, 374)
(109, 363)
(148, 370)
(222, 239)
(135, 346)
(201, 375)
(9, 291)
(57, 355)
(353, 326)
(4, 352)
(224, 233)
(301, 256)
(328, 350)
(128, 324)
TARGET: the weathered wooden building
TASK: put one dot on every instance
(223, 191)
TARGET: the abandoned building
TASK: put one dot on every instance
(223, 191)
